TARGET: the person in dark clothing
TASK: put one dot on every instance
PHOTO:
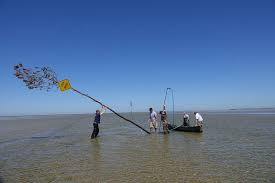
(98, 114)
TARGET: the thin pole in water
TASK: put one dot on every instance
(166, 95)
(131, 105)
(172, 91)
(173, 106)
(164, 103)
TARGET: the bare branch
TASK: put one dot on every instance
(36, 78)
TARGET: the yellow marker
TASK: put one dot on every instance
(64, 85)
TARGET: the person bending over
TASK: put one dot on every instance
(199, 119)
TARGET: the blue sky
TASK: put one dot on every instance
(214, 54)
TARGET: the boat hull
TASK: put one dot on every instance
(182, 128)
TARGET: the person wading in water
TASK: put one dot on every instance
(153, 120)
(98, 114)
(164, 121)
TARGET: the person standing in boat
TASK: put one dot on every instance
(153, 120)
(97, 119)
(185, 119)
(164, 121)
(199, 119)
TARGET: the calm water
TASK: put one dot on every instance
(232, 148)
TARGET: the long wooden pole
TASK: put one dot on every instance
(111, 110)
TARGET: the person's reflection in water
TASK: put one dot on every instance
(166, 144)
(96, 162)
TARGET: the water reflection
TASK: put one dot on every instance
(96, 153)
(193, 136)
(231, 149)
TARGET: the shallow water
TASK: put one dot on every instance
(232, 148)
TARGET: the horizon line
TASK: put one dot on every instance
(123, 112)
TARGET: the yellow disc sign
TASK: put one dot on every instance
(64, 85)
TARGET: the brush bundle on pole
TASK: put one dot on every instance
(45, 78)
(38, 78)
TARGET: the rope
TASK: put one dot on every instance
(175, 128)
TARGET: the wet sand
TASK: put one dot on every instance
(234, 147)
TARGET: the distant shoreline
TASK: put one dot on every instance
(260, 110)
(248, 109)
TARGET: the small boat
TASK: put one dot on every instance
(182, 128)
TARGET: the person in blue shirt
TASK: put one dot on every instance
(98, 114)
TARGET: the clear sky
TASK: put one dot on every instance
(215, 54)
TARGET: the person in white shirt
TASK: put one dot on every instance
(153, 120)
(185, 119)
(199, 119)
